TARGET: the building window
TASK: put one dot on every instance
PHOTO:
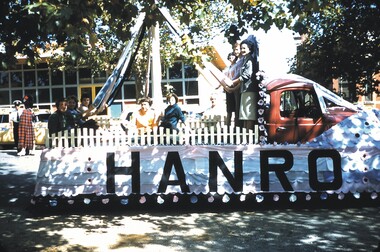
(4, 79)
(178, 90)
(57, 93)
(15, 95)
(71, 91)
(191, 87)
(129, 91)
(43, 95)
(100, 78)
(48, 84)
(16, 79)
(43, 78)
(4, 97)
(175, 72)
(30, 78)
(56, 77)
(71, 77)
(85, 76)
(190, 71)
(183, 78)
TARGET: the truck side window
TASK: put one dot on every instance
(299, 103)
(310, 105)
(288, 104)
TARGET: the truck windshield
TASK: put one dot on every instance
(328, 100)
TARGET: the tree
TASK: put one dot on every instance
(75, 24)
(93, 33)
(341, 40)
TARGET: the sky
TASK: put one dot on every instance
(276, 47)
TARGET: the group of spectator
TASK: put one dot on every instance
(146, 118)
(240, 85)
(68, 115)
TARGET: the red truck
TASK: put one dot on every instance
(298, 109)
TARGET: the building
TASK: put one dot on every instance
(47, 85)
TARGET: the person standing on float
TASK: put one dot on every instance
(230, 96)
(236, 74)
(246, 82)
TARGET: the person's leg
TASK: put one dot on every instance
(21, 152)
(230, 105)
(228, 118)
(15, 136)
(238, 122)
(249, 124)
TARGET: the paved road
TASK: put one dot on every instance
(26, 228)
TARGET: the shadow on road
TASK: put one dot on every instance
(217, 226)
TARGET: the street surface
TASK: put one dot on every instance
(23, 227)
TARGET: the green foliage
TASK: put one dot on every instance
(341, 40)
(256, 14)
(93, 32)
(341, 37)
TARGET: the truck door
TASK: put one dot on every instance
(300, 117)
(285, 124)
(309, 115)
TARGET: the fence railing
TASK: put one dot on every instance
(114, 137)
(192, 123)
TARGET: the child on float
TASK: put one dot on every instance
(145, 118)
(172, 114)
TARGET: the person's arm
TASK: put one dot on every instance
(230, 85)
(11, 119)
(53, 124)
(88, 111)
(133, 119)
(246, 71)
(72, 122)
(159, 119)
(34, 118)
(162, 117)
(154, 118)
(181, 116)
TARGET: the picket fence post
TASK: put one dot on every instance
(218, 134)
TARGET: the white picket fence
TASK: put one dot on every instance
(192, 123)
(114, 137)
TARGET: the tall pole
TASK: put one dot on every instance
(147, 77)
(156, 68)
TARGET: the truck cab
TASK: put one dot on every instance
(299, 109)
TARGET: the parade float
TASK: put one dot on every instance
(310, 148)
